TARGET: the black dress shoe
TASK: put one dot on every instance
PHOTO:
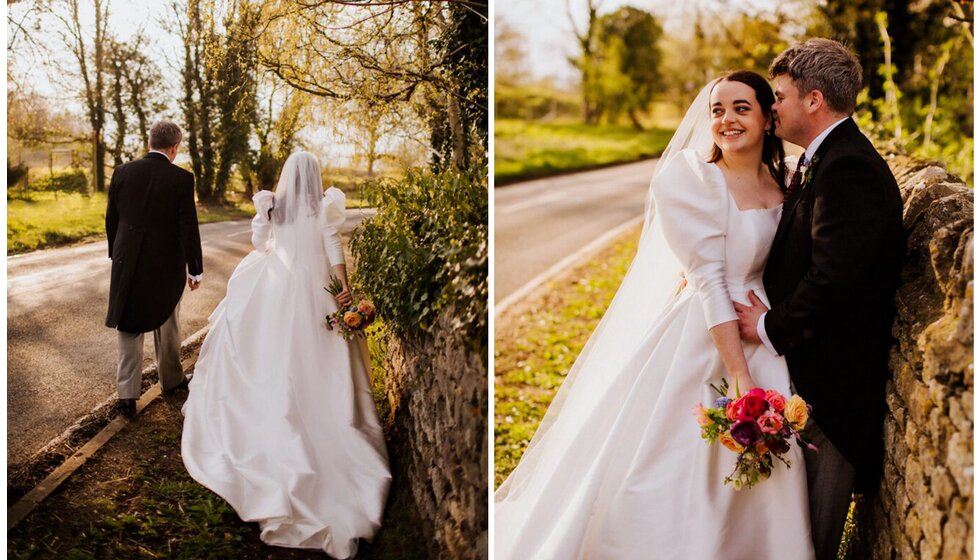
(127, 408)
(182, 385)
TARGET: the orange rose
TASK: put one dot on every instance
(797, 412)
(365, 307)
(777, 401)
(731, 411)
(761, 449)
(726, 439)
(700, 413)
(352, 319)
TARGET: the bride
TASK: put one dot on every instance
(280, 420)
(617, 468)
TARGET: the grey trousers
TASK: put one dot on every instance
(830, 480)
(166, 342)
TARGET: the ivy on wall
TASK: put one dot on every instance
(426, 250)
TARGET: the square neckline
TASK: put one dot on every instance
(731, 197)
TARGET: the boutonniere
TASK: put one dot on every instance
(808, 172)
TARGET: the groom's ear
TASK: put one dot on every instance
(814, 101)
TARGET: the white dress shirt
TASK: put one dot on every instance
(807, 156)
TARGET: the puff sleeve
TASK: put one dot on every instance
(261, 225)
(692, 206)
(333, 214)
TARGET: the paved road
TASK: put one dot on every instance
(61, 358)
(538, 223)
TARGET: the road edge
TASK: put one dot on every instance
(29, 501)
(529, 289)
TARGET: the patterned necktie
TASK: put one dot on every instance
(794, 183)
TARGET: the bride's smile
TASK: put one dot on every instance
(737, 120)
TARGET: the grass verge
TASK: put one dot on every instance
(537, 341)
(524, 149)
(134, 499)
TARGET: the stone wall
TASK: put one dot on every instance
(925, 506)
(437, 434)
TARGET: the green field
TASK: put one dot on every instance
(525, 149)
(52, 219)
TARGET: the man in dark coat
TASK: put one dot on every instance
(155, 247)
(831, 278)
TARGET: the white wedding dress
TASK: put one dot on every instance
(280, 420)
(617, 469)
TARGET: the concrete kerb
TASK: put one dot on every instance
(42, 490)
(539, 282)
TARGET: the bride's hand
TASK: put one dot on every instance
(745, 384)
(344, 298)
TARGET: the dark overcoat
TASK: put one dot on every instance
(154, 242)
(831, 279)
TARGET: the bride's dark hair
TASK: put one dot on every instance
(772, 147)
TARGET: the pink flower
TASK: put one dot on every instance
(770, 422)
(751, 405)
(777, 400)
(365, 307)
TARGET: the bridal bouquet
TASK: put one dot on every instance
(758, 426)
(351, 320)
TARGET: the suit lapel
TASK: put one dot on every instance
(789, 208)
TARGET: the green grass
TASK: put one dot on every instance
(530, 149)
(533, 354)
(52, 219)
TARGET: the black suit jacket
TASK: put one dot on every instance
(831, 279)
(154, 242)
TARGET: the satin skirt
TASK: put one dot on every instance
(280, 420)
(623, 473)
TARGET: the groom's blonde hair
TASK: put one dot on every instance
(824, 65)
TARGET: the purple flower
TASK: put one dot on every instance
(722, 402)
(746, 433)
(778, 447)
(785, 432)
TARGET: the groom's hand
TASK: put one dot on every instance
(192, 284)
(748, 318)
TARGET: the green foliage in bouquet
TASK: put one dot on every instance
(426, 250)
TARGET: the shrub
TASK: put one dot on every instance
(535, 103)
(64, 181)
(426, 251)
(15, 173)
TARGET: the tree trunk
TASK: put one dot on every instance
(456, 129)
(119, 114)
(635, 120)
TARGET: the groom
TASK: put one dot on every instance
(151, 222)
(831, 277)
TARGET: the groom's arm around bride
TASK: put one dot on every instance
(155, 247)
(831, 277)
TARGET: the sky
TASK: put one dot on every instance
(546, 26)
(126, 17)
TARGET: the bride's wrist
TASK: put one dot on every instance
(742, 376)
